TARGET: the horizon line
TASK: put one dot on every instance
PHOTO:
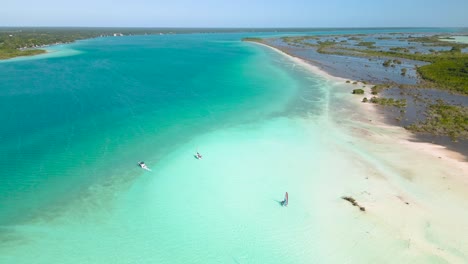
(177, 27)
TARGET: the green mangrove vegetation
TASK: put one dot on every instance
(369, 44)
(388, 102)
(387, 63)
(358, 91)
(444, 120)
(28, 41)
(376, 89)
(253, 39)
(11, 53)
(399, 49)
(446, 70)
(449, 73)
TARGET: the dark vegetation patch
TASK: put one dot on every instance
(444, 120)
(254, 39)
(447, 70)
(400, 103)
(353, 202)
(378, 88)
(358, 91)
(369, 44)
(449, 73)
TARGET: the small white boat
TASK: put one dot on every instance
(143, 165)
(198, 156)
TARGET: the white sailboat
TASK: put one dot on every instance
(286, 200)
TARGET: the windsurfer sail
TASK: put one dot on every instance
(286, 200)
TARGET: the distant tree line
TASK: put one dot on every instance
(26, 41)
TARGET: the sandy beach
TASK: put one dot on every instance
(416, 192)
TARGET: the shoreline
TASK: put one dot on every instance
(407, 185)
(52, 51)
(314, 68)
(382, 121)
(401, 66)
(404, 137)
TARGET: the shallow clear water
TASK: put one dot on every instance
(74, 128)
(77, 120)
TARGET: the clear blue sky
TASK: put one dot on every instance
(235, 13)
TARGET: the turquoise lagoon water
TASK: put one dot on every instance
(74, 127)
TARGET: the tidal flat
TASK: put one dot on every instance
(411, 75)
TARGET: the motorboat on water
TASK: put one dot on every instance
(143, 165)
(198, 156)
